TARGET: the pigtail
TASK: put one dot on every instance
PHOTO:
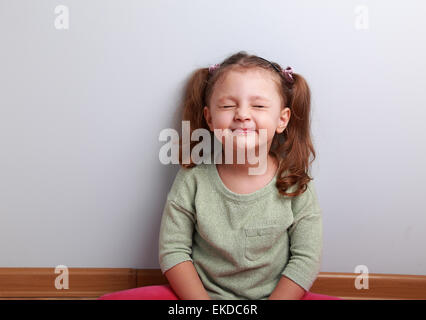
(193, 103)
(297, 147)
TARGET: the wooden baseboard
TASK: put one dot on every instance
(380, 286)
(90, 283)
(82, 282)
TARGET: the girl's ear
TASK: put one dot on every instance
(283, 120)
(208, 117)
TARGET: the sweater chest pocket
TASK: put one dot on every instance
(259, 240)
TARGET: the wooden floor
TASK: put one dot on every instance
(91, 283)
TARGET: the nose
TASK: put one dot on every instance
(242, 113)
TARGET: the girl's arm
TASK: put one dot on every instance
(305, 235)
(186, 283)
(176, 236)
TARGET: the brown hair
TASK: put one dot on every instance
(292, 147)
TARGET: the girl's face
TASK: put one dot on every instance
(247, 99)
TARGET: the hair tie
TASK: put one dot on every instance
(213, 67)
(288, 74)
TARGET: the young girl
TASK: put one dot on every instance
(229, 234)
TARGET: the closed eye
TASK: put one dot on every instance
(234, 106)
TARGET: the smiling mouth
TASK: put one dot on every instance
(243, 131)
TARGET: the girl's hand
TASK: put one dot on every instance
(287, 289)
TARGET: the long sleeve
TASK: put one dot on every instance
(178, 221)
(175, 242)
(305, 236)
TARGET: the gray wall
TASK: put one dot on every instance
(81, 111)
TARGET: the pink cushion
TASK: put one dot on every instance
(160, 292)
(165, 292)
(316, 296)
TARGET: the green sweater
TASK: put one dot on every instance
(240, 244)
